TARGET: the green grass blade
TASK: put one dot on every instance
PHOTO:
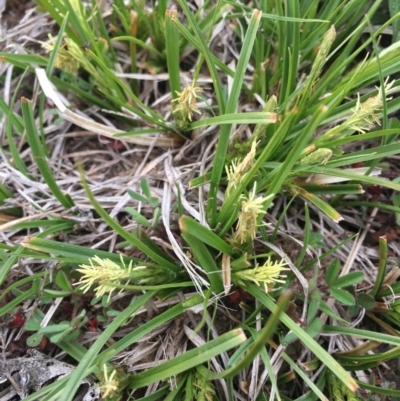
(140, 43)
(236, 118)
(318, 202)
(315, 387)
(152, 324)
(206, 53)
(58, 10)
(223, 141)
(189, 226)
(86, 364)
(308, 341)
(380, 277)
(189, 359)
(205, 261)
(19, 299)
(172, 53)
(380, 390)
(13, 122)
(358, 333)
(159, 256)
(39, 155)
(273, 144)
(355, 177)
(24, 60)
(259, 343)
(76, 253)
(291, 52)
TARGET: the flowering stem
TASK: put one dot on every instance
(153, 287)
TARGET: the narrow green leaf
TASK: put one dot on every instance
(79, 254)
(206, 53)
(20, 251)
(206, 262)
(85, 366)
(152, 324)
(34, 340)
(379, 356)
(12, 122)
(236, 118)
(348, 279)
(376, 153)
(394, 8)
(137, 216)
(55, 328)
(157, 395)
(22, 60)
(332, 271)
(358, 333)
(145, 239)
(57, 45)
(258, 344)
(138, 197)
(172, 53)
(317, 388)
(306, 237)
(383, 255)
(318, 202)
(57, 10)
(39, 154)
(150, 252)
(200, 181)
(144, 185)
(380, 390)
(334, 189)
(223, 141)
(19, 299)
(189, 359)
(55, 293)
(178, 389)
(382, 206)
(343, 296)
(63, 282)
(190, 226)
(310, 343)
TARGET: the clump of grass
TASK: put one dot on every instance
(272, 138)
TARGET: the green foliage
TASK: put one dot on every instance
(67, 330)
(297, 105)
(146, 198)
(338, 286)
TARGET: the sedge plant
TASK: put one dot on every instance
(251, 130)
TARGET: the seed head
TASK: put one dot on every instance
(64, 60)
(187, 102)
(247, 222)
(364, 114)
(266, 275)
(109, 384)
(105, 273)
(237, 170)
